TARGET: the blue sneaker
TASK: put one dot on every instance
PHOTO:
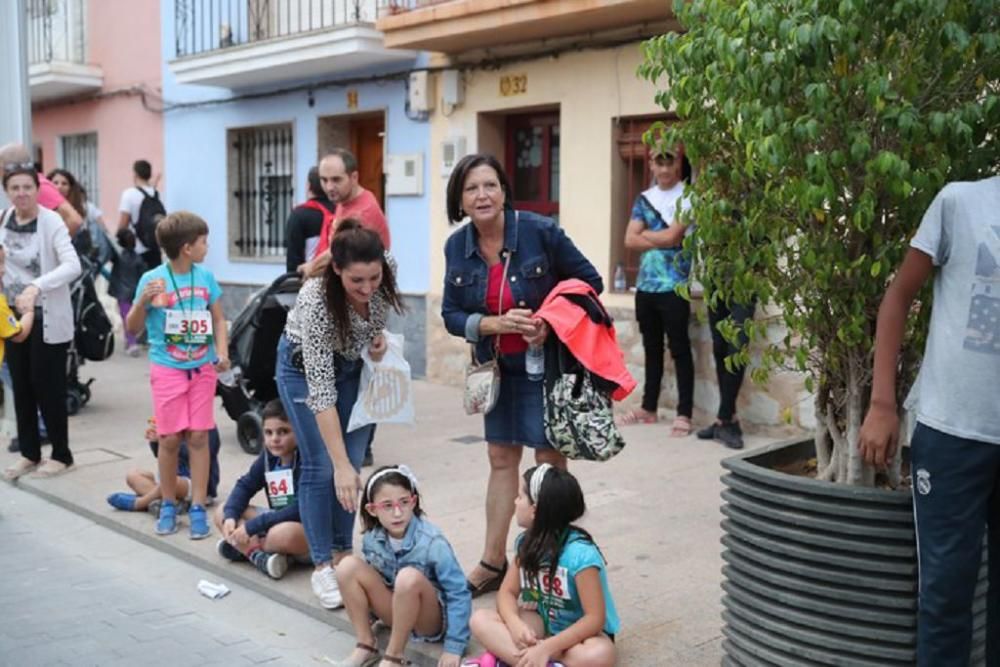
(199, 522)
(122, 501)
(167, 523)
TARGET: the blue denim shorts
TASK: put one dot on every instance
(517, 418)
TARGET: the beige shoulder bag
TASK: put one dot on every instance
(482, 380)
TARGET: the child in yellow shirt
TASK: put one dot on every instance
(12, 328)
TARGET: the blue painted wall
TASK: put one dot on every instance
(195, 157)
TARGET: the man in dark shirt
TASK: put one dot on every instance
(302, 230)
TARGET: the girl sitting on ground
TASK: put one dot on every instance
(266, 536)
(554, 607)
(409, 577)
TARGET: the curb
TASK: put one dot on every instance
(416, 651)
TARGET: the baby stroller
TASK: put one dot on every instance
(253, 345)
(94, 336)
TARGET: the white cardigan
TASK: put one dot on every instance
(60, 266)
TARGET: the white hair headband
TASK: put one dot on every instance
(537, 478)
(403, 470)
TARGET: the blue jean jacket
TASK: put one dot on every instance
(542, 257)
(427, 550)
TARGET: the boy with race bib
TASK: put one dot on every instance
(266, 536)
(178, 305)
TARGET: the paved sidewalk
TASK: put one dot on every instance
(654, 509)
(76, 593)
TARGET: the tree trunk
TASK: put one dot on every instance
(824, 451)
(858, 473)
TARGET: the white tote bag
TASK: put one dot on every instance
(386, 395)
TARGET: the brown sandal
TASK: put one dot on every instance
(396, 661)
(489, 584)
(373, 658)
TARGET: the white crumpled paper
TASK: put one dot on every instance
(212, 591)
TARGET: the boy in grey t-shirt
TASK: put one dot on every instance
(955, 449)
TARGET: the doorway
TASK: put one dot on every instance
(364, 136)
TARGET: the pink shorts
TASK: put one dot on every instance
(183, 400)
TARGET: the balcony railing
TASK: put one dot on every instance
(56, 31)
(389, 7)
(210, 25)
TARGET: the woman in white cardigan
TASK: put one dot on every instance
(40, 263)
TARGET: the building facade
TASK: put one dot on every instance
(550, 88)
(94, 80)
(254, 94)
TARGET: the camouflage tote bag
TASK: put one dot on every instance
(579, 421)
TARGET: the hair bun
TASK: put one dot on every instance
(347, 225)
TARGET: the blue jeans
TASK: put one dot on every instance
(956, 500)
(328, 526)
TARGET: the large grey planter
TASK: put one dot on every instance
(818, 573)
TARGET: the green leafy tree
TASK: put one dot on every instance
(821, 130)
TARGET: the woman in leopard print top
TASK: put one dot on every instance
(335, 318)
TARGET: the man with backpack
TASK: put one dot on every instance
(141, 209)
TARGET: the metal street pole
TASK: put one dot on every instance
(15, 112)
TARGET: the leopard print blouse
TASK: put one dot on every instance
(310, 325)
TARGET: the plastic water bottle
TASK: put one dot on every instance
(619, 279)
(534, 363)
(228, 377)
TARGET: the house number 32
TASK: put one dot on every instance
(513, 84)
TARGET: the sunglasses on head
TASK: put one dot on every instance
(19, 166)
(664, 160)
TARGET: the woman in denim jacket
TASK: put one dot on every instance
(540, 256)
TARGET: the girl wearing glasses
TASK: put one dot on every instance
(408, 576)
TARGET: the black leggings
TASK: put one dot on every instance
(38, 373)
(659, 314)
(729, 382)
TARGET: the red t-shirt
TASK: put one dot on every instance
(365, 208)
(509, 343)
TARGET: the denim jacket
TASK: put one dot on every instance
(426, 549)
(542, 256)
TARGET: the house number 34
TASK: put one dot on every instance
(513, 84)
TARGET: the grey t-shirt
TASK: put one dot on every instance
(958, 388)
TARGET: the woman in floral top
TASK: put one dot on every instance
(335, 318)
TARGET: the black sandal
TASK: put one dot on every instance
(489, 584)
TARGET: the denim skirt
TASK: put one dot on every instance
(517, 418)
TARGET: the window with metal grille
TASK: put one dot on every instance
(78, 155)
(262, 190)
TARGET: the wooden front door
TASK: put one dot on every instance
(367, 135)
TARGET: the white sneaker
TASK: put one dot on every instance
(324, 585)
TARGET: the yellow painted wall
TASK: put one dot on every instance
(591, 88)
